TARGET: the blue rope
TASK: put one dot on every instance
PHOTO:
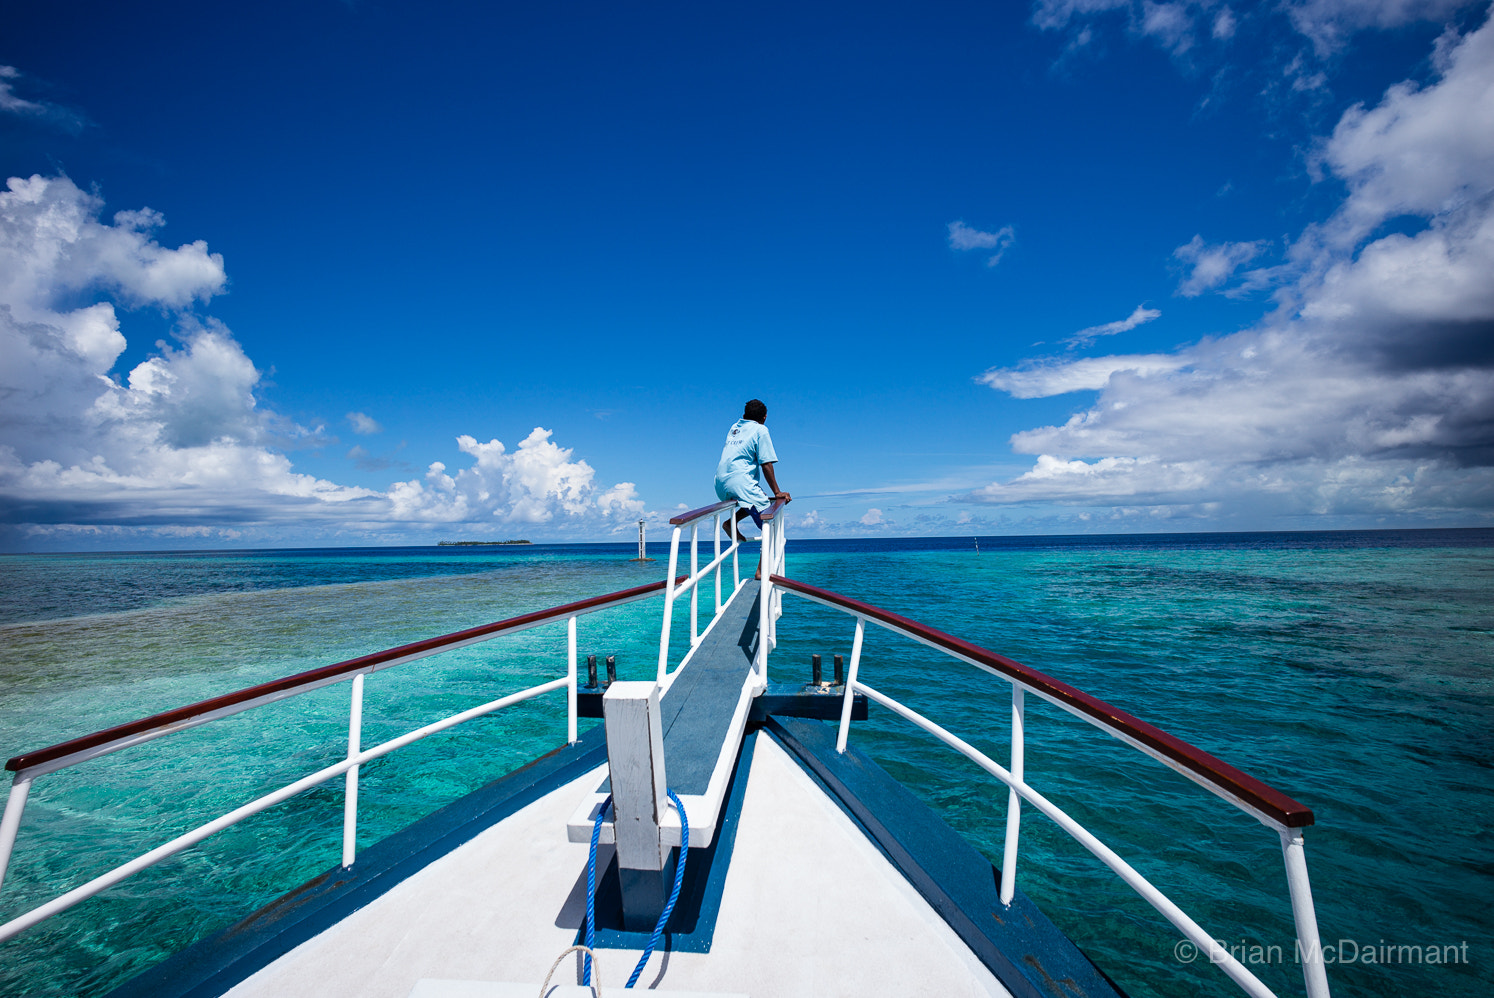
(591, 891)
(674, 895)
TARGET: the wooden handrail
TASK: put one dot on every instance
(695, 514)
(774, 508)
(280, 688)
(1188, 759)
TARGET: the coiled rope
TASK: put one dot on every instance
(591, 890)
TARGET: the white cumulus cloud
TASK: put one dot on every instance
(1369, 389)
(180, 445)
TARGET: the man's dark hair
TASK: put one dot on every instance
(755, 411)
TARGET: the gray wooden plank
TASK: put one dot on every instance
(698, 706)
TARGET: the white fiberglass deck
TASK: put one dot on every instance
(810, 908)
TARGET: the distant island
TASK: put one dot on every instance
(475, 544)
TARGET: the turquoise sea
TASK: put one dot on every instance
(1351, 670)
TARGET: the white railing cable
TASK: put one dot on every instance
(176, 845)
(1206, 944)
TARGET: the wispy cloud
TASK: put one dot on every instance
(8, 99)
(1139, 316)
(963, 237)
(1044, 379)
(53, 114)
(363, 424)
(1209, 267)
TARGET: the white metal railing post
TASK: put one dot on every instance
(1013, 802)
(846, 702)
(350, 804)
(779, 541)
(1309, 945)
(716, 533)
(694, 589)
(764, 601)
(19, 789)
(674, 561)
(570, 679)
(736, 547)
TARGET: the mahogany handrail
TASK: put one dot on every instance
(774, 508)
(278, 689)
(716, 507)
(1187, 759)
(695, 514)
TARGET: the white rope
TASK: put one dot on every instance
(596, 975)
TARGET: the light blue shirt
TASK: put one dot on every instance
(747, 447)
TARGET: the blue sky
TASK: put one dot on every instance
(1074, 266)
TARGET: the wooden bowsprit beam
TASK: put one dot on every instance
(703, 712)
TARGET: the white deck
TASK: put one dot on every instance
(810, 908)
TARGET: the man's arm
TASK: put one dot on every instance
(773, 483)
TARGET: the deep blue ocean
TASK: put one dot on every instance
(1352, 670)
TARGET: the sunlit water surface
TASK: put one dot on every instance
(1354, 672)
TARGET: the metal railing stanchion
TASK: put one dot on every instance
(674, 561)
(736, 547)
(1309, 945)
(694, 589)
(845, 706)
(350, 803)
(716, 533)
(1013, 801)
(20, 788)
(764, 601)
(570, 679)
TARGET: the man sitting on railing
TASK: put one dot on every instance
(748, 457)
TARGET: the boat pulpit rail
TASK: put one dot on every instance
(772, 542)
(1271, 807)
(31, 765)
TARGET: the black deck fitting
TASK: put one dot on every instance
(814, 669)
(840, 671)
(611, 669)
(591, 672)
